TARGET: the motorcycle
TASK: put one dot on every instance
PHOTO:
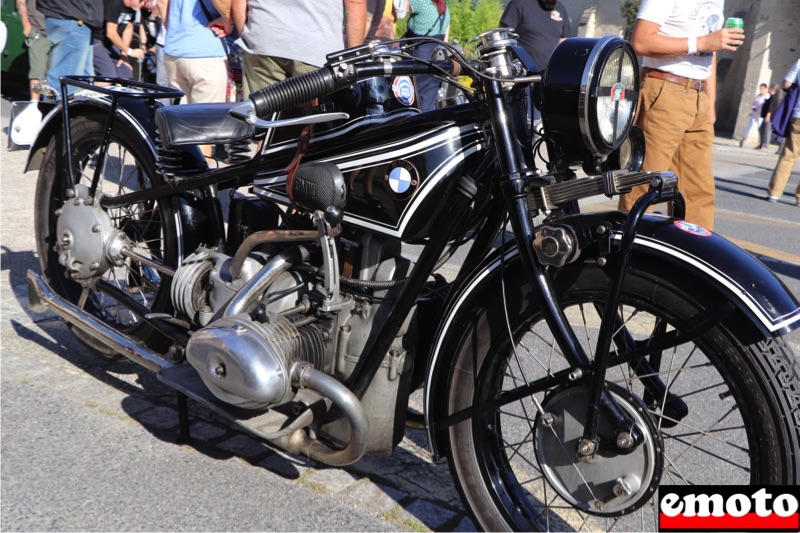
(570, 363)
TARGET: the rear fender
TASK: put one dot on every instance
(137, 114)
(683, 254)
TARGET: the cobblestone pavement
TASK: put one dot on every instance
(406, 490)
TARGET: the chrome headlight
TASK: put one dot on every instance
(589, 95)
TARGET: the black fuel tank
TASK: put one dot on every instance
(399, 167)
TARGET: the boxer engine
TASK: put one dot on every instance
(246, 353)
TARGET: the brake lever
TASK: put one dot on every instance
(245, 111)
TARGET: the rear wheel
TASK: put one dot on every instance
(725, 417)
(79, 243)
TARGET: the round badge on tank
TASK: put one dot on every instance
(403, 90)
(401, 179)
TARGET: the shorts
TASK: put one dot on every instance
(105, 63)
(262, 71)
(38, 55)
(203, 79)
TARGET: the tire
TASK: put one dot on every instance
(739, 425)
(151, 227)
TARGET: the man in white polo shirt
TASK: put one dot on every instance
(676, 41)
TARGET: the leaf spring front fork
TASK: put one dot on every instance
(663, 188)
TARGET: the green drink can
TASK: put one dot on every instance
(734, 22)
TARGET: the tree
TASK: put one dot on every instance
(629, 9)
(469, 18)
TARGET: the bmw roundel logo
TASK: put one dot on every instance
(402, 178)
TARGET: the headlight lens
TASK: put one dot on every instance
(614, 112)
(589, 95)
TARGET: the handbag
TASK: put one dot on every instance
(782, 117)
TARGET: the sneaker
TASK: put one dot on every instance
(772, 199)
(741, 142)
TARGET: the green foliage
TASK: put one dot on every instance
(472, 17)
(401, 27)
(629, 9)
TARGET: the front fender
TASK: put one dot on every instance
(744, 280)
(671, 248)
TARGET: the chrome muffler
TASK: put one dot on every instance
(41, 298)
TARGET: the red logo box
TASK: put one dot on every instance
(728, 508)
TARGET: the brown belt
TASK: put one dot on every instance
(689, 83)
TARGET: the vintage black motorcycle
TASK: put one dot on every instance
(569, 365)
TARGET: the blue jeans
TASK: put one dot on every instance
(71, 53)
(427, 86)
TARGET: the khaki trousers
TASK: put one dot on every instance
(679, 135)
(789, 154)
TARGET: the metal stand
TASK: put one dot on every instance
(183, 418)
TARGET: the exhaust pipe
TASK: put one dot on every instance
(41, 298)
(306, 377)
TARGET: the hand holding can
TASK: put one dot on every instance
(734, 22)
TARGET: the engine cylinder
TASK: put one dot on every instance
(247, 363)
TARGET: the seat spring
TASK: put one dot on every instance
(239, 152)
(168, 161)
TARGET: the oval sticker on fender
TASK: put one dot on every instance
(694, 229)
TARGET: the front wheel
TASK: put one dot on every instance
(723, 416)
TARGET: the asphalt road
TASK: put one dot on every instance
(90, 445)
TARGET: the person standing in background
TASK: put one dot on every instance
(194, 55)
(791, 148)
(380, 20)
(269, 29)
(69, 25)
(767, 109)
(160, 7)
(426, 18)
(540, 25)
(388, 23)
(677, 41)
(33, 28)
(112, 52)
(755, 114)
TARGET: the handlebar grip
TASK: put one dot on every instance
(293, 91)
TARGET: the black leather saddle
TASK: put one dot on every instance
(190, 124)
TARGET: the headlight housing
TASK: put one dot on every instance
(589, 95)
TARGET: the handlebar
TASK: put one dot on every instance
(328, 79)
